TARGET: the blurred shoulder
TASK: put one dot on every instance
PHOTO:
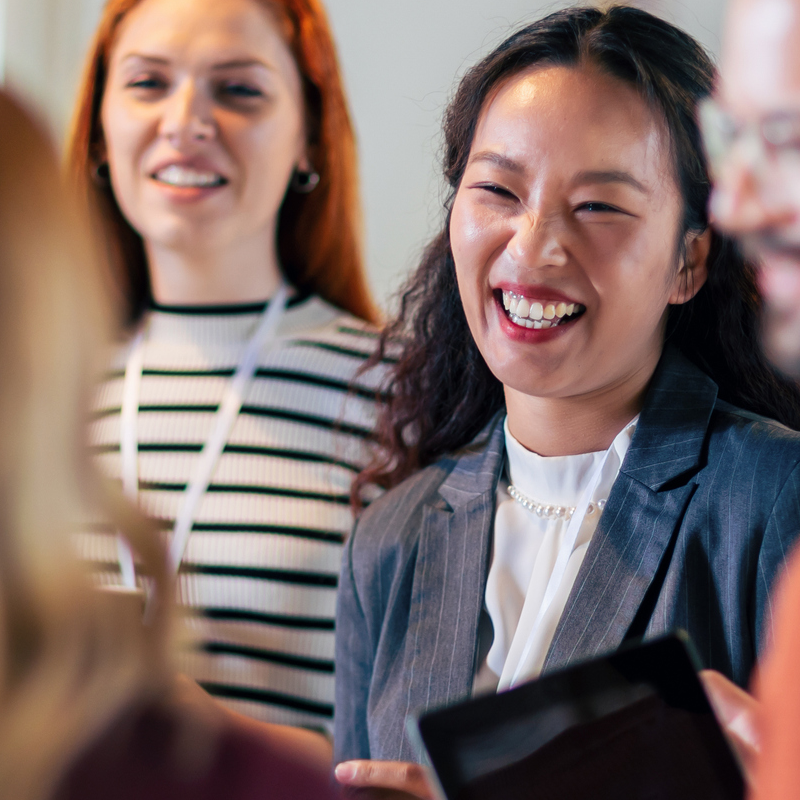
(320, 335)
(155, 750)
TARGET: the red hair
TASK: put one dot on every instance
(319, 233)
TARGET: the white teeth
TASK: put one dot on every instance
(529, 313)
(176, 175)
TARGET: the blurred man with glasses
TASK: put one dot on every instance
(752, 136)
(751, 130)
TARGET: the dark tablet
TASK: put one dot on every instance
(634, 724)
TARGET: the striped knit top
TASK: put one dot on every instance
(259, 576)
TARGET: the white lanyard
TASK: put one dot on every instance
(510, 678)
(212, 450)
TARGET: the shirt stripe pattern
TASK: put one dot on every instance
(260, 573)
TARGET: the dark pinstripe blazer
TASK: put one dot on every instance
(696, 526)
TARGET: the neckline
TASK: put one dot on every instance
(557, 480)
(222, 309)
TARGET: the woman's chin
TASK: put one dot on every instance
(536, 375)
(178, 234)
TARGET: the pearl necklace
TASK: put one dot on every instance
(551, 512)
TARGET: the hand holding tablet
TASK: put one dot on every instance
(634, 724)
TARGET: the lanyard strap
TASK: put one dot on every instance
(212, 450)
(128, 446)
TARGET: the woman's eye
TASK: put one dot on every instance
(146, 83)
(493, 188)
(596, 207)
(241, 90)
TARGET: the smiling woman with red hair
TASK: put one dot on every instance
(213, 142)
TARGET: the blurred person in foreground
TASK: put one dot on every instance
(88, 706)
(752, 133)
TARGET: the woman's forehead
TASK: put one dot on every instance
(233, 28)
(578, 115)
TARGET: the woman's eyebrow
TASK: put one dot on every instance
(241, 63)
(609, 176)
(499, 160)
(233, 63)
(144, 57)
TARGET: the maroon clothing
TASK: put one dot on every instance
(149, 753)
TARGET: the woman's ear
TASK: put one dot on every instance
(694, 270)
(98, 152)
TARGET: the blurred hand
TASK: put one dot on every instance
(737, 712)
(392, 780)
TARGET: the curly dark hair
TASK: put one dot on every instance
(442, 391)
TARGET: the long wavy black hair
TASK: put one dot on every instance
(442, 391)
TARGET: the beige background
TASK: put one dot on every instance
(400, 59)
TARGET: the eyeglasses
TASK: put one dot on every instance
(769, 148)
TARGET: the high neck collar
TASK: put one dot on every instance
(207, 326)
(224, 309)
(558, 480)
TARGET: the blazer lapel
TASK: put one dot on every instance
(450, 575)
(642, 516)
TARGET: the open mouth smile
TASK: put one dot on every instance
(529, 312)
(188, 178)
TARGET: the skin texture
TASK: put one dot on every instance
(576, 199)
(760, 75)
(526, 215)
(214, 86)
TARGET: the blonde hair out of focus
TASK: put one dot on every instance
(71, 657)
(319, 234)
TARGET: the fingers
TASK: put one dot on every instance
(737, 712)
(399, 776)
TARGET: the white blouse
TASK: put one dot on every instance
(528, 585)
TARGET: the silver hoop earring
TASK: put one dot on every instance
(304, 182)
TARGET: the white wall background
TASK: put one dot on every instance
(400, 61)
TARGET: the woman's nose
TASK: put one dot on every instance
(187, 117)
(536, 241)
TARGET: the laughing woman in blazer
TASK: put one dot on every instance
(583, 388)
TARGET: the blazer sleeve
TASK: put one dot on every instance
(781, 533)
(354, 657)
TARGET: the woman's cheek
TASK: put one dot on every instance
(474, 234)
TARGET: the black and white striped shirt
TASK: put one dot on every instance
(260, 571)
